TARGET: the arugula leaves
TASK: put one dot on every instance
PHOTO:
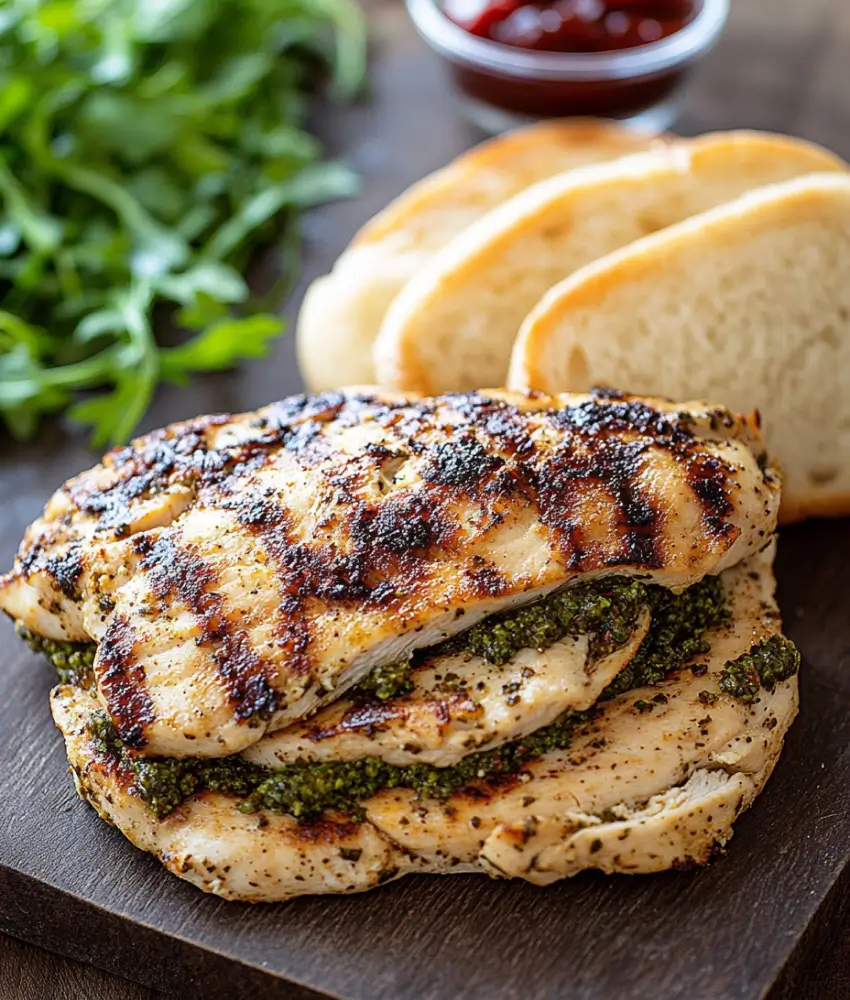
(146, 150)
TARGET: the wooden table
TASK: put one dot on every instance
(782, 65)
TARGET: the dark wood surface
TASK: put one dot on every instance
(30, 973)
(769, 917)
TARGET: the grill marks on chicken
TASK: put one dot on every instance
(178, 573)
(640, 789)
(122, 681)
(238, 572)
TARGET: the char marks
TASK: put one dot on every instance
(592, 455)
(490, 453)
(157, 462)
(401, 530)
(597, 416)
(307, 543)
(122, 682)
(375, 715)
(295, 567)
(176, 571)
(711, 481)
(182, 455)
(375, 553)
(289, 413)
(462, 462)
(304, 571)
(65, 568)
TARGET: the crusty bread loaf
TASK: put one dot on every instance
(343, 311)
(453, 325)
(748, 304)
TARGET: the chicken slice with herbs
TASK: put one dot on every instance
(459, 703)
(654, 779)
(239, 572)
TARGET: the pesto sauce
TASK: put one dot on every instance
(606, 610)
(389, 681)
(73, 661)
(164, 782)
(305, 790)
(676, 634)
(764, 666)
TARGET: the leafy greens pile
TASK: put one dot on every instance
(147, 147)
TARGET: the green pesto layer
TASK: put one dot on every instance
(308, 789)
(676, 634)
(607, 610)
(767, 663)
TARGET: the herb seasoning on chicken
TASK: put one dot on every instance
(355, 635)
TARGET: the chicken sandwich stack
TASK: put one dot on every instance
(357, 635)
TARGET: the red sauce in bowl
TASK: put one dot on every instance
(586, 28)
(571, 25)
(556, 99)
(518, 60)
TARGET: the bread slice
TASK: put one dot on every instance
(748, 304)
(453, 326)
(343, 311)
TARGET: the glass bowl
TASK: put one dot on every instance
(502, 86)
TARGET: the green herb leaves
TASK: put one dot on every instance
(146, 150)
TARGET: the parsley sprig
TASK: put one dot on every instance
(146, 150)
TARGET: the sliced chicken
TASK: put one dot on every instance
(646, 741)
(460, 704)
(679, 828)
(656, 780)
(238, 572)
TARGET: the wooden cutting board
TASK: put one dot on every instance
(748, 927)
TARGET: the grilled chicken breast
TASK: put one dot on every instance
(460, 704)
(237, 572)
(654, 780)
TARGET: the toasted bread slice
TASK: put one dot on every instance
(746, 303)
(343, 311)
(453, 325)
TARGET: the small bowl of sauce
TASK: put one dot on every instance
(516, 61)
